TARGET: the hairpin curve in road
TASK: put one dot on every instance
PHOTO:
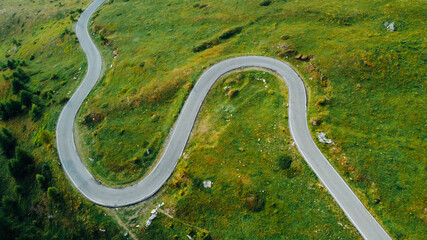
(148, 186)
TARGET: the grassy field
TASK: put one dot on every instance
(366, 86)
(366, 92)
(254, 193)
(37, 199)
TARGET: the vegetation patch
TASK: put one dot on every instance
(229, 33)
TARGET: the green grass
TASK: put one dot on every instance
(366, 92)
(366, 86)
(251, 197)
(40, 34)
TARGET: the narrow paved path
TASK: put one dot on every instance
(147, 187)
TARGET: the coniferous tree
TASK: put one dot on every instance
(7, 143)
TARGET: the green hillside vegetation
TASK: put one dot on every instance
(366, 86)
(253, 194)
(366, 92)
(41, 64)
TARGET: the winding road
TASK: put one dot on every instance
(147, 187)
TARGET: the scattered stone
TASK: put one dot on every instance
(314, 122)
(138, 226)
(152, 217)
(286, 50)
(322, 138)
(115, 53)
(50, 217)
(303, 57)
(390, 27)
(102, 230)
(189, 237)
(153, 214)
(207, 184)
(148, 223)
(126, 234)
(91, 159)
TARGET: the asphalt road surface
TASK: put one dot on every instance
(147, 187)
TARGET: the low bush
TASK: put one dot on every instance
(7, 143)
(26, 98)
(36, 112)
(22, 165)
(255, 202)
(21, 75)
(265, 3)
(230, 33)
(284, 162)
(10, 110)
(17, 86)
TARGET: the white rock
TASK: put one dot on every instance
(102, 230)
(390, 27)
(148, 223)
(322, 138)
(152, 217)
(207, 184)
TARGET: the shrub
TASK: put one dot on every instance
(66, 31)
(53, 193)
(43, 137)
(21, 75)
(230, 33)
(22, 165)
(255, 202)
(11, 64)
(41, 181)
(7, 143)
(224, 36)
(26, 98)
(10, 109)
(284, 162)
(265, 3)
(7, 228)
(17, 86)
(19, 190)
(232, 93)
(36, 112)
(16, 42)
(204, 235)
(321, 101)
